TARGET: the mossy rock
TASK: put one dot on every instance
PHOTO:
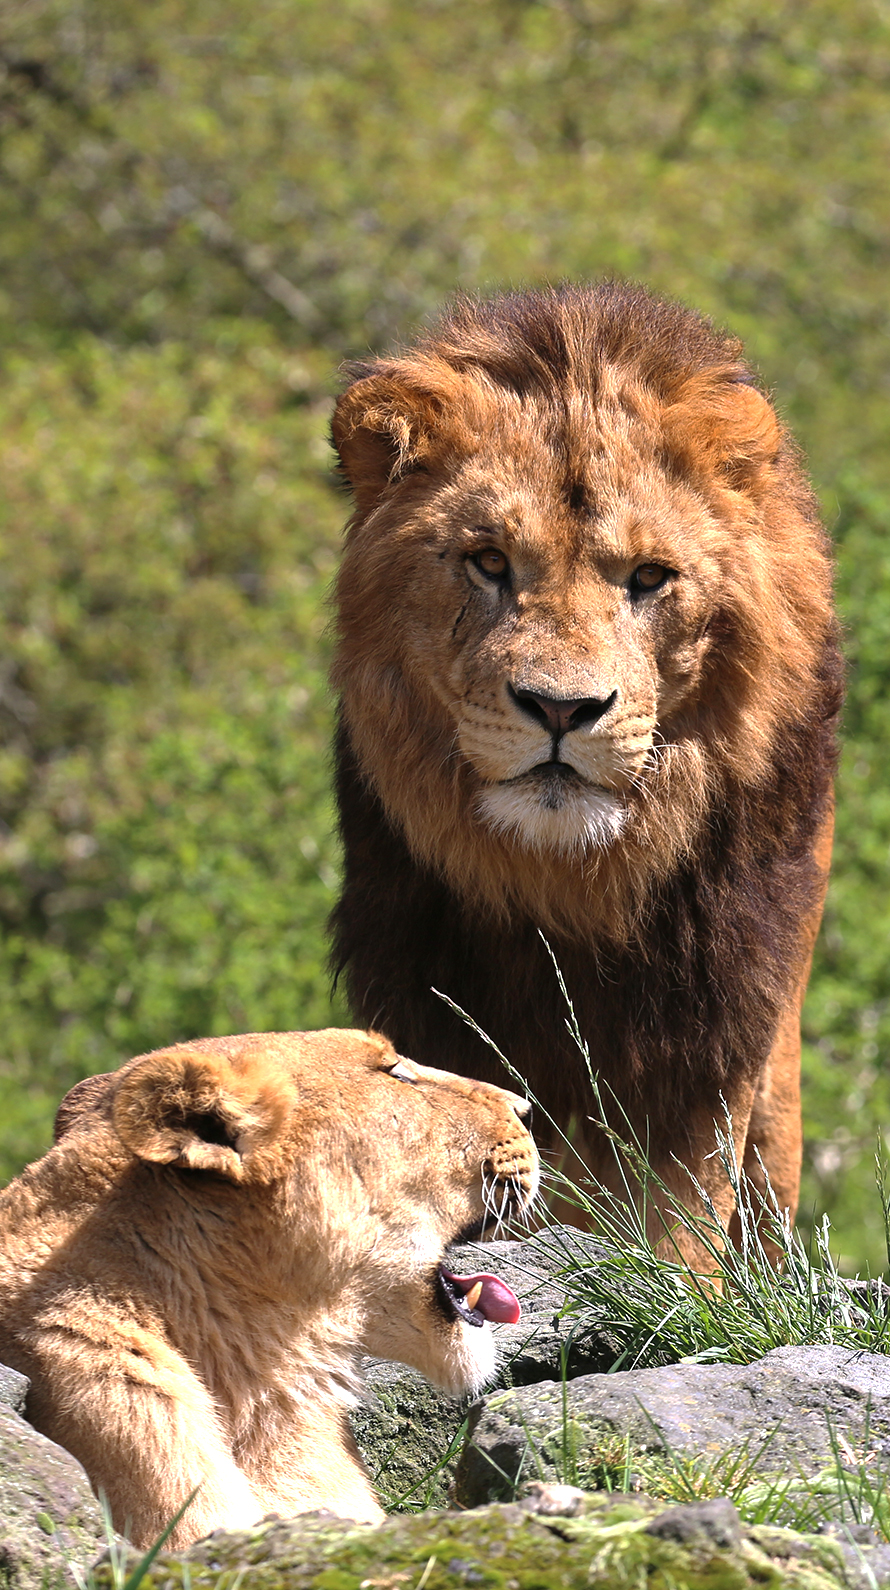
(595, 1540)
(788, 1410)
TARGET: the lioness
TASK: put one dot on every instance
(188, 1276)
(589, 681)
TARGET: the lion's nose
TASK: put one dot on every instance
(559, 717)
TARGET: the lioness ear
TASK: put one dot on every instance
(197, 1110)
(81, 1101)
(383, 427)
(727, 427)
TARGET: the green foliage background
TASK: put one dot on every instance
(202, 210)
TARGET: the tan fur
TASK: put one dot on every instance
(582, 435)
(189, 1275)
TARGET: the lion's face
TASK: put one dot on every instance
(564, 646)
(349, 1172)
(572, 606)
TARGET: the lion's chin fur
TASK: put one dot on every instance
(570, 818)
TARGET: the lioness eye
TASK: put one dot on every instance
(648, 577)
(491, 563)
(402, 1074)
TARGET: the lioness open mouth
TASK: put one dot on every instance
(476, 1298)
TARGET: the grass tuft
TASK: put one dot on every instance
(119, 1553)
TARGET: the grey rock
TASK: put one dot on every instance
(49, 1517)
(863, 1568)
(783, 1410)
(715, 1520)
(13, 1389)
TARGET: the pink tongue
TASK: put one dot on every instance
(495, 1302)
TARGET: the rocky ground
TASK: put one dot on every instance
(556, 1427)
(49, 1517)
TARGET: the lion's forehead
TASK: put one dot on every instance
(442, 1102)
(356, 1093)
(549, 535)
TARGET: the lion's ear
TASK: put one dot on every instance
(727, 426)
(384, 425)
(196, 1109)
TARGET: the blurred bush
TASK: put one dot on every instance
(166, 860)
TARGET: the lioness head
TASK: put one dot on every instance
(583, 587)
(348, 1170)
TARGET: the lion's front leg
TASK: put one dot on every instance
(677, 1188)
(774, 1144)
(700, 1180)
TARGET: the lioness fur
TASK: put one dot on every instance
(189, 1275)
(589, 679)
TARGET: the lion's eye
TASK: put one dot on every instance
(492, 563)
(648, 577)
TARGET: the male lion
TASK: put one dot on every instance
(589, 680)
(189, 1275)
